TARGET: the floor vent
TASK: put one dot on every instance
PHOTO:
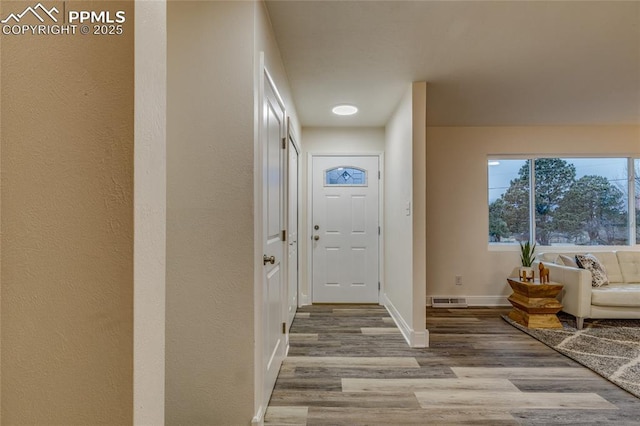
(449, 302)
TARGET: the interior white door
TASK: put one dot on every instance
(345, 229)
(292, 227)
(273, 191)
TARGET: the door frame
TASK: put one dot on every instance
(261, 395)
(292, 140)
(309, 216)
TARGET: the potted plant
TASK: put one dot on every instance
(527, 257)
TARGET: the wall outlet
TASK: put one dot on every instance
(458, 279)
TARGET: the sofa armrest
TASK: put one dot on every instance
(576, 294)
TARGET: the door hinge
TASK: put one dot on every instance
(284, 143)
(378, 285)
(378, 230)
(284, 235)
(284, 328)
(378, 174)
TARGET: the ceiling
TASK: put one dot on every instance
(486, 63)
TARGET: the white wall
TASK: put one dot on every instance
(457, 201)
(405, 215)
(398, 225)
(150, 202)
(327, 140)
(214, 269)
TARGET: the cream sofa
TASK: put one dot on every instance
(619, 299)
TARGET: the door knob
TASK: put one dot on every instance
(316, 237)
(268, 259)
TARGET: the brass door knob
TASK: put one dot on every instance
(268, 259)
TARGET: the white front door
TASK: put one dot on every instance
(292, 227)
(273, 191)
(345, 229)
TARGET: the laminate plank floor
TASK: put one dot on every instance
(350, 365)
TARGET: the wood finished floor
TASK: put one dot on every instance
(349, 365)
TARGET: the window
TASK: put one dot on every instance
(345, 176)
(508, 201)
(575, 201)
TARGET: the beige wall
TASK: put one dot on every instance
(327, 140)
(398, 223)
(67, 226)
(457, 217)
(210, 267)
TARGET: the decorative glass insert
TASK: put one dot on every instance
(345, 176)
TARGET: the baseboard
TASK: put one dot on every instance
(258, 419)
(480, 301)
(303, 300)
(415, 339)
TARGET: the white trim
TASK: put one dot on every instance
(514, 247)
(631, 200)
(303, 299)
(538, 156)
(478, 301)
(258, 374)
(307, 299)
(258, 419)
(381, 225)
(415, 339)
(150, 213)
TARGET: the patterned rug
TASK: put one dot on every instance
(611, 348)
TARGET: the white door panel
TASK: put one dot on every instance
(273, 223)
(345, 229)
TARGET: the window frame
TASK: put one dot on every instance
(631, 200)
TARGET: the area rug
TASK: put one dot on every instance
(611, 348)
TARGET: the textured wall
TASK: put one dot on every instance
(210, 237)
(67, 225)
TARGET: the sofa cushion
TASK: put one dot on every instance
(591, 263)
(569, 260)
(630, 265)
(623, 295)
(549, 258)
(610, 262)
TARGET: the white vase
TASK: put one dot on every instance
(526, 273)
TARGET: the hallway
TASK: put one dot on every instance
(349, 365)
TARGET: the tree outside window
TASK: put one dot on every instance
(577, 201)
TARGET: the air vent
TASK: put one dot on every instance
(448, 302)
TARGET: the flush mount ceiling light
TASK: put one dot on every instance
(344, 110)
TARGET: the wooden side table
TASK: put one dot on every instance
(534, 304)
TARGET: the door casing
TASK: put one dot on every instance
(307, 235)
